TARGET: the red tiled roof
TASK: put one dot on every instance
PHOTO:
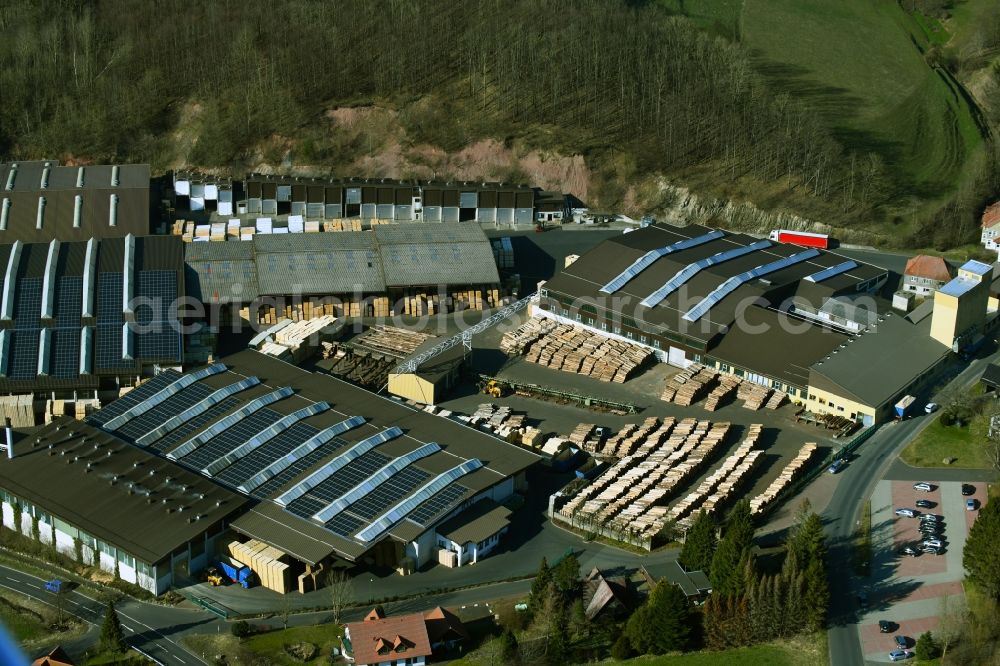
(386, 639)
(991, 215)
(925, 266)
(57, 657)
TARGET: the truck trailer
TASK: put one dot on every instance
(803, 238)
(904, 405)
(236, 571)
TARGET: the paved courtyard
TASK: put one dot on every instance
(916, 594)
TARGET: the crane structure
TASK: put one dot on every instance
(464, 338)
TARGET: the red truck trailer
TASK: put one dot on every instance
(803, 238)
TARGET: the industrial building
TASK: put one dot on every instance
(802, 320)
(80, 321)
(409, 269)
(365, 199)
(43, 201)
(254, 449)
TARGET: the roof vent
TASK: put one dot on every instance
(135, 464)
(164, 500)
(114, 176)
(11, 175)
(62, 452)
(152, 472)
(109, 454)
(201, 495)
(45, 176)
(219, 502)
(79, 177)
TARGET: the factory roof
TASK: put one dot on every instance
(114, 491)
(877, 365)
(977, 267)
(334, 468)
(959, 286)
(41, 200)
(341, 262)
(692, 280)
(927, 266)
(777, 345)
(63, 315)
(477, 523)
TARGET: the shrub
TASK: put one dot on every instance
(621, 649)
(927, 648)
(240, 629)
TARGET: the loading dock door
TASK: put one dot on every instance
(677, 358)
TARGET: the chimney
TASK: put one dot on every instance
(9, 438)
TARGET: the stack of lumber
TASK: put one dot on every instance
(532, 437)
(727, 386)
(581, 433)
(777, 399)
(627, 440)
(516, 341)
(342, 225)
(398, 342)
(753, 395)
(19, 409)
(791, 471)
(267, 562)
(689, 385)
(578, 350)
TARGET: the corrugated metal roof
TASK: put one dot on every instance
(425, 264)
(319, 271)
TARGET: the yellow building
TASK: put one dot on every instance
(432, 380)
(960, 306)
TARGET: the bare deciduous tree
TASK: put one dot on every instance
(341, 592)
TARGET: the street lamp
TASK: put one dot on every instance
(371, 593)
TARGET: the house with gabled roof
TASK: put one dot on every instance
(405, 639)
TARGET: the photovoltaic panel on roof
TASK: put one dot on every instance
(832, 271)
(647, 260)
(692, 269)
(734, 283)
(175, 387)
(179, 419)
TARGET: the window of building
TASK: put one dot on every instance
(840, 409)
(604, 325)
(656, 343)
(126, 559)
(578, 317)
(812, 397)
(618, 330)
(642, 338)
(106, 548)
(628, 334)
(197, 547)
(590, 321)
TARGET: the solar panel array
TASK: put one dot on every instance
(65, 360)
(159, 337)
(276, 482)
(23, 361)
(683, 275)
(175, 437)
(648, 259)
(400, 485)
(134, 397)
(257, 460)
(830, 272)
(424, 514)
(230, 438)
(28, 303)
(735, 282)
(158, 415)
(332, 488)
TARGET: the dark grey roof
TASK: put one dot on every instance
(991, 375)
(341, 262)
(477, 523)
(59, 194)
(876, 367)
(129, 498)
(776, 345)
(584, 278)
(300, 536)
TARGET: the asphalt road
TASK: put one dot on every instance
(151, 629)
(874, 459)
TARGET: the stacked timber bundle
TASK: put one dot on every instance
(689, 385)
(19, 409)
(753, 395)
(342, 225)
(571, 349)
(727, 386)
(394, 341)
(777, 399)
(581, 433)
(791, 471)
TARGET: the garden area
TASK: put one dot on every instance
(245, 646)
(959, 436)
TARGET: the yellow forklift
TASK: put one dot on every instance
(495, 389)
(213, 577)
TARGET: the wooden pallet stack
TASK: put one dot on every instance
(517, 341)
(342, 225)
(776, 400)
(726, 387)
(753, 395)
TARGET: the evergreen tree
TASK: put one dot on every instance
(816, 596)
(540, 586)
(699, 544)
(558, 646)
(566, 575)
(927, 648)
(507, 647)
(578, 622)
(795, 620)
(661, 624)
(729, 562)
(981, 557)
(712, 623)
(112, 637)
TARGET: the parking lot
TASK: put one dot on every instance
(914, 593)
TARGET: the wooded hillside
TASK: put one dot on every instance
(632, 88)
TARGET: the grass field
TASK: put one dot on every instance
(807, 651)
(22, 626)
(721, 17)
(938, 441)
(857, 63)
(269, 645)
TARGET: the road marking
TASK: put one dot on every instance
(128, 628)
(179, 659)
(13, 579)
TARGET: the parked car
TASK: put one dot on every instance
(931, 550)
(837, 465)
(968, 489)
(900, 655)
(930, 529)
(924, 504)
(937, 543)
(885, 626)
(971, 504)
(931, 518)
(931, 407)
(55, 585)
(909, 513)
(902, 642)
(924, 486)
(909, 550)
